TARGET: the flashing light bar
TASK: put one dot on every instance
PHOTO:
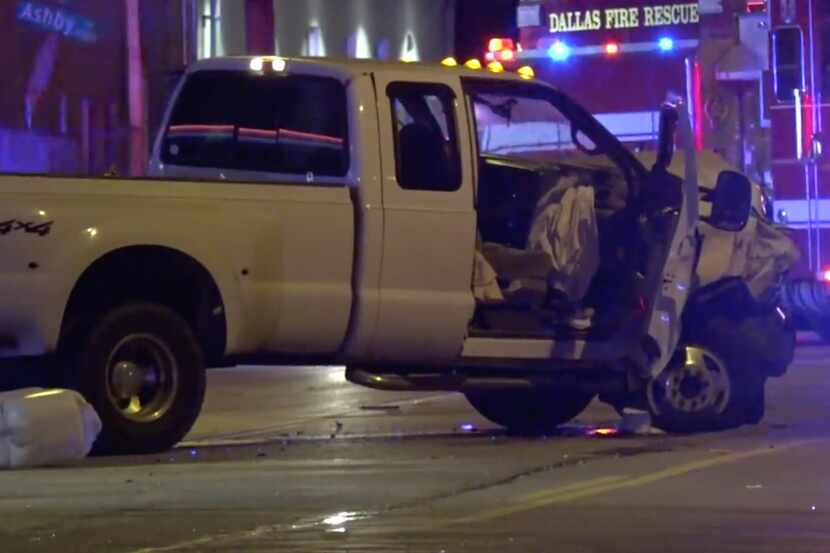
(560, 50)
(499, 44)
(500, 49)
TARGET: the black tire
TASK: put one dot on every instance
(134, 349)
(537, 411)
(773, 339)
(715, 382)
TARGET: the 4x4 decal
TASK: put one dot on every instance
(13, 225)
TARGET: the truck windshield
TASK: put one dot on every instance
(520, 121)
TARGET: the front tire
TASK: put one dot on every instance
(713, 383)
(143, 371)
(537, 411)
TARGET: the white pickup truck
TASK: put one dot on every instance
(337, 211)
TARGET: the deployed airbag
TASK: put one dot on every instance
(566, 231)
(562, 252)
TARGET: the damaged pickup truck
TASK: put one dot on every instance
(429, 227)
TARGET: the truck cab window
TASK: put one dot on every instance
(426, 146)
(268, 124)
(788, 62)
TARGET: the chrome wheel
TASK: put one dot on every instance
(142, 378)
(698, 385)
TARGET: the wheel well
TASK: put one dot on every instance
(154, 274)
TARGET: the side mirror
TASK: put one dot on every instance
(731, 202)
(668, 128)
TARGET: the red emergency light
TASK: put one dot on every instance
(809, 123)
(501, 49)
(612, 48)
(756, 6)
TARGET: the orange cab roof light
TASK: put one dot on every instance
(526, 72)
(495, 67)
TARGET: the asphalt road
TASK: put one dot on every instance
(296, 459)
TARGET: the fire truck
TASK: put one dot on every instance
(753, 74)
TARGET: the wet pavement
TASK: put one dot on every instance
(296, 459)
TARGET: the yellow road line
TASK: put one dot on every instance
(538, 499)
(545, 498)
(568, 488)
(600, 486)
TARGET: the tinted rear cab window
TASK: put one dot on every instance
(426, 146)
(261, 123)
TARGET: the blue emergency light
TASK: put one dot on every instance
(559, 51)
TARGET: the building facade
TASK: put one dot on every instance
(81, 79)
(401, 29)
(86, 82)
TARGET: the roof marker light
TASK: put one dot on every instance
(495, 67)
(257, 64)
(278, 65)
(473, 64)
(526, 72)
(449, 62)
(666, 44)
(559, 51)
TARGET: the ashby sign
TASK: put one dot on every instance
(58, 20)
(625, 18)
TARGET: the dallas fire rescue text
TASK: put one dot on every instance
(624, 18)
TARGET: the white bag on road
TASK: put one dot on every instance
(45, 427)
